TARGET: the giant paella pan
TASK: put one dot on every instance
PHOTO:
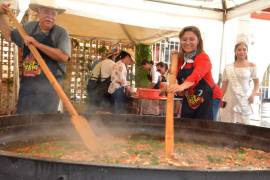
(46, 147)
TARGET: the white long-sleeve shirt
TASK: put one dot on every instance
(118, 77)
(154, 74)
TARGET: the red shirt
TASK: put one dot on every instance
(202, 70)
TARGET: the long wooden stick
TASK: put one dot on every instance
(80, 123)
(169, 131)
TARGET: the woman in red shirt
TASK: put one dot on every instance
(194, 76)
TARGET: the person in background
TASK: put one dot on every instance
(113, 53)
(195, 82)
(151, 106)
(153, 76)
(93, 87)
(98, 84)
(237, 91)
(119, 85)
(163, 69)
(105, 73)
(107, 66)
(36, 94)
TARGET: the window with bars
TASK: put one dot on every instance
(84, 54)
(161, 50)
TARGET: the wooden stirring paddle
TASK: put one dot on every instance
(80, 123)
(169, 126)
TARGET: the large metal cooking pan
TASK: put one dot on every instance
(17, 129)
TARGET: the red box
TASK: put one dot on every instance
(147, 93)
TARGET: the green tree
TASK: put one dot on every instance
(142, 52)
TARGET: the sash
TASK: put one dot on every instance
(242, 106)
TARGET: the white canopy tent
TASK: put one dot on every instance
(147, 21)
(155, 17)
(93, 28)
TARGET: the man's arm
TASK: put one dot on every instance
(54, 53)
(60, 52)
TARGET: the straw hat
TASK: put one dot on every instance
(132, 54)
(51, 4)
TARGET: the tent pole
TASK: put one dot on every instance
(224, 6)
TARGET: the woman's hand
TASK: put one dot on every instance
(251, 99)
(174, 88)
(128, 89)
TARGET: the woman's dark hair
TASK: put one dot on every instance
(236, 46)
(197, 32)
(144, 62)
(122, 55)
(163, 65)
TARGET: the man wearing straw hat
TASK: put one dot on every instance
(36, 95)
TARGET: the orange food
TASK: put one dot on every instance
(148, 152)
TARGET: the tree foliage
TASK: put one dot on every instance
(142, 52)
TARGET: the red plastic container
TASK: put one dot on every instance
(147, 93)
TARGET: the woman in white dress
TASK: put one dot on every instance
(236, 87)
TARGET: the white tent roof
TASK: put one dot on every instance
(220, 9)
(145, 21)
(93, 28)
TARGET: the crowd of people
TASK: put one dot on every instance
(108, 86)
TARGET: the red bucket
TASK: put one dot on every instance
(147, 93)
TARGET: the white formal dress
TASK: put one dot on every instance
(231, 112)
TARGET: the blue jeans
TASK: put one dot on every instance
(119, 98)
(216, 106)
